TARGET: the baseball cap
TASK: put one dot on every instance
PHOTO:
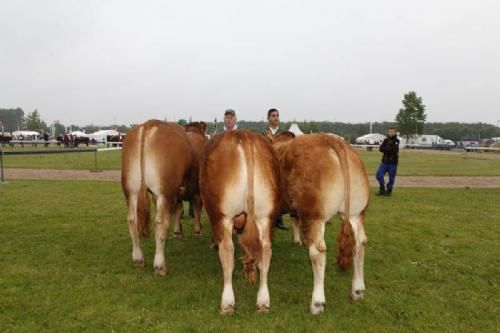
(230, 111)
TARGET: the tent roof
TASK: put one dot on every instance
(294, 128)
(371, 136)
(24, 133)
(79, 133)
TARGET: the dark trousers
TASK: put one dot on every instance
(382, 170)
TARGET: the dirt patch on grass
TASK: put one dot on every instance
(115, 175)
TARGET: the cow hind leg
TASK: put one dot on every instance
(317, 254)
(263, 299)
(178, 225)
(163, 216)
(358, 282)
(296, 230)
(226, 256)
(197, 205)
(137, 255)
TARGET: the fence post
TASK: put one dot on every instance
(1, 166)
(95, 158)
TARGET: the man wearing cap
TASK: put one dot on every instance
(229, 121)
(273, 124)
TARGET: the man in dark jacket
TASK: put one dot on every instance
(390, 148)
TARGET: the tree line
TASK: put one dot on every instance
(14, 119)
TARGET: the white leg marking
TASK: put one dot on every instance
(263, 299)
(358, 282)
(318, 260)
(137, 256)
(226, 256)
(162, 222)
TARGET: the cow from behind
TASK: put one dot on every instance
(239, 177)
(157, 158)
(323, 176)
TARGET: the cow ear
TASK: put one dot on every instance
(203, 126)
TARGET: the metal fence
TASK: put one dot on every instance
(45, 152)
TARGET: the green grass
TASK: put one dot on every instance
(411, 163)
(432, 265)
(427, 163)
(106, 160)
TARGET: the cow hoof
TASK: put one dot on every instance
(358, 295)
(297, 243)
(197, 233)
(317, 307)
(177, 235)
(262, 308)
(214, 246)
(161, 271)
(139, 263)
(226, 310)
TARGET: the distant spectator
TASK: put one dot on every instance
(390, 148)
(273, 124)
(229, 121)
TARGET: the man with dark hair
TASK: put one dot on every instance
(273, 128)
(273, 123)
(390, 148)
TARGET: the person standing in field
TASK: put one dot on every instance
(273, 124)
(229, 121)
(390, 149)
(273, 128)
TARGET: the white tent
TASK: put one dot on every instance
(424, 140)
(101, 135)
(80, 134)
(25, 134)
(294, 128)
(370, 139)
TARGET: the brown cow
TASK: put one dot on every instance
(157, 157)
(195, 132)
(234, 166)
(322, 176)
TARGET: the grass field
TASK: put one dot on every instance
(432, 265)
(411, 163)
(106, 160)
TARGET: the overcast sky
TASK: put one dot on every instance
(100, 62)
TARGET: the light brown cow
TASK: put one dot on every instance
(239, 175)
(195, 132)
(322, 176)
(157, 157)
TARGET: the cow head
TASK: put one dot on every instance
(197, 126)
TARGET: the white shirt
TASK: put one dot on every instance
(234, 128)
(274, 130)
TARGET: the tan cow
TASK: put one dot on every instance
(195, 132)
(157, 157)
(239, 177)
(322, 176)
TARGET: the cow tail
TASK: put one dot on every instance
(345, 239)
(143, 209)
(250, 235)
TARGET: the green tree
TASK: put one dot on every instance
(12, 119)
(34, 123)
(59, 128)
(182, 122)
(411, 117)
